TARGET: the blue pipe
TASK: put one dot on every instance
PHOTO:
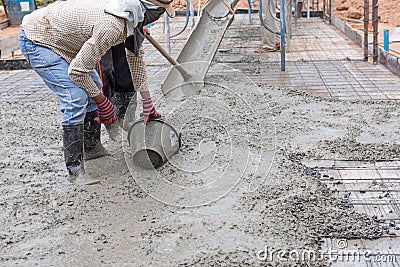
(262, 19)
(386, 40)
(186, 22)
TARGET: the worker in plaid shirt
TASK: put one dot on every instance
(63, 43)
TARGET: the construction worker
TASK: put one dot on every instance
(299, 8)
(269, 40)
(118, 83)
(63, 43)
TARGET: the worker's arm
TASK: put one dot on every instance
(90, 53)
(139, 79)
(137, 67)
(85, 61)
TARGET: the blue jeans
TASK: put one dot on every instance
(53, 69)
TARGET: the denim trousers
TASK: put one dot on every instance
(53, 69)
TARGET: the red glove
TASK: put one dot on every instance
(149, 112)
(106, 112)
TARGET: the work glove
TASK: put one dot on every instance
(106, 112)
(149, 112)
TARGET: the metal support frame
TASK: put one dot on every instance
(283, 31)
(249, 10)
(191, 9)
(366, 22)
(198, 9)
(295, 13)
(168, 33)
(330, 11)
(375, 33)
(187, 13)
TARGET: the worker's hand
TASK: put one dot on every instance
(106, 112)
(149, 112)
(146, 30)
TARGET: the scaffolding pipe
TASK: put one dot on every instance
(260, 14)
(168, 34)
(283, 59)
(191, 9)
(198, 9)
(366, 22)
(249, 10)
(330, 11)
(186, 21)
(295, 13)
(375, 33)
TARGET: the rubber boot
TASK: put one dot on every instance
(114, 131)
(129, 113)
(126, 117)
(73, 150)
(92, 131)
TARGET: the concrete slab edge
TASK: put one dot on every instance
(388, 60)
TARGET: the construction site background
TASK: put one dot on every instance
(352, 9)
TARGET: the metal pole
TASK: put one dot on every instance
(366, 22)
(191, 11)
(308, 9)
(249, 10)
(198, 9)
(295, 13)
(283, 63)
(168, 33)
(375, 33)
(330, 11)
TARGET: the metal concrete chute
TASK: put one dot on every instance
(199, 49)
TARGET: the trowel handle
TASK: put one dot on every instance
(162, 51)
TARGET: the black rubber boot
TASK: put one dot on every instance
(92, 131)
(129, 111)
(126, 117)
(73, 150)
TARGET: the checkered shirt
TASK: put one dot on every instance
(80, 32)
(138, 70)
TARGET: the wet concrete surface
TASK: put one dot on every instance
(240, 164)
